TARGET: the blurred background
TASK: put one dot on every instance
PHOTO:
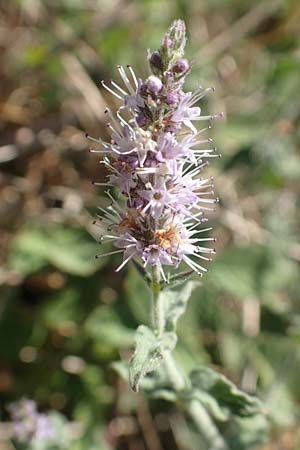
(64, 317)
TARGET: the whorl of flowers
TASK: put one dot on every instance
(154, 159)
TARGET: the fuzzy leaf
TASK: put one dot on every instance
(164, 394)
(71, 250)
(175, 303)
(211, 404)
(247, 432)
(154, 385)
(148, 354)
(230, 399)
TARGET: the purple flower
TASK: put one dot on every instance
(44, 428)
(154, 85)
(156, 61)
(172, 98)
(154, 159)
(129, 93)
(186, 112)
(155, 255)
(167, 42)
(158, 198)
(181, 66)
(29, 426)
(142, 119)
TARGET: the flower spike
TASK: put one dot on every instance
(154, 159)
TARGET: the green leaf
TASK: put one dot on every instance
(61, 307)
(211, 404)
(149, 353)
(175, 303)
(154, 385)
(138, 296)
(230, 399)
(164, 394)
(180, 278)
(247, 432)
(104, 325)
(236, 271)
(71, 250)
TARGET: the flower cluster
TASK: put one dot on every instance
(154, 159)
(30, 426)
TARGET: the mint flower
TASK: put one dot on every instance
(155, 158)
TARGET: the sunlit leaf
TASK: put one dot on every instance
(231, 400)
(69, 249)
(175, 302)
(149, 353)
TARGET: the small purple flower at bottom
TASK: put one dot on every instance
(29, 426)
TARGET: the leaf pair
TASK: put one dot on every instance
(220, 396)
(151, 349)
(149, 353)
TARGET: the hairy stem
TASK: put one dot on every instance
(175, 375)
(205, 426)
(157, 304)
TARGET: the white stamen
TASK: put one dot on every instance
(125, 262)
(108, 254)
(118, 87)
(133, 76)
(111, 91)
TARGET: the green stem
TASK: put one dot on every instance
(205, 426)
(157, 304)
(175, 375)
(176, 378)
(196, 411)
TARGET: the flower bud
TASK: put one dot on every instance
(181, 66)
(154, 84)
(156, 61)
(136, 203)
(167, 42)
(171, 98)
(150, 162)
(141, 119)
(132, 161)
(175, 37)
